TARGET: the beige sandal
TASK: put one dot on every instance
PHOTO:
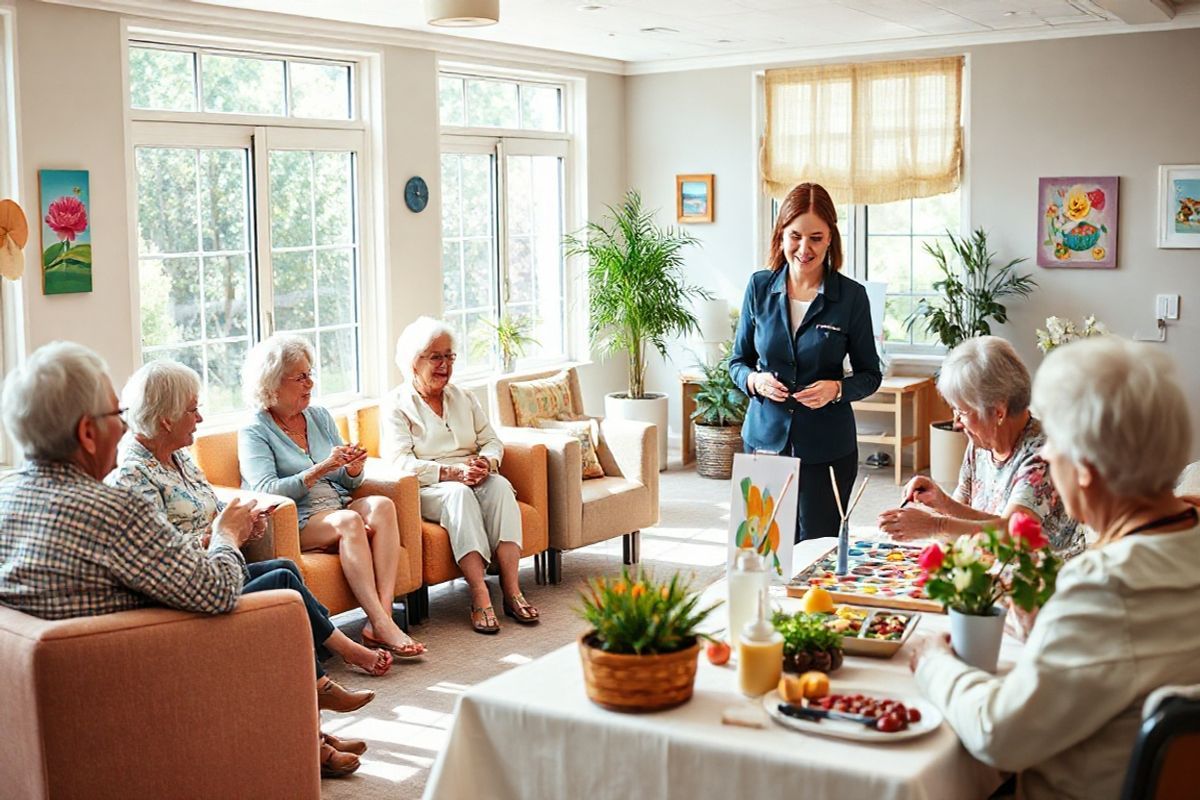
(483, 620)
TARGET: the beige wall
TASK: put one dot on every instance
(71, 115)
(1110, 105)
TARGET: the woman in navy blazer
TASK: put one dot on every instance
(800, 319)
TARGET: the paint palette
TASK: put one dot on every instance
(880, 574)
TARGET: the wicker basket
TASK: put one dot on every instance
(715, 447)
(622, 682)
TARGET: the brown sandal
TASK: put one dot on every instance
(483, 620)
(520, 609)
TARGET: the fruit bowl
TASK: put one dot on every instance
(1082, 237)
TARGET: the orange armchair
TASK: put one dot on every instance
(525, 466)
(216, 454)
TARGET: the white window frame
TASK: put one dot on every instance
(262, 134)
(502, 142)
(11, 310)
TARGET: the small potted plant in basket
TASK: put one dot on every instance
(977, 571)
(720, 411)
(809, 644)
(641, 651)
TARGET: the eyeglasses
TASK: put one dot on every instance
(303, 377)
(119, 414)
(439, 358)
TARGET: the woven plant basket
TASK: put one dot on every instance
(715, 448)
(633, 683)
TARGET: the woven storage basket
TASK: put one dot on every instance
(715, 448)
(622, 682)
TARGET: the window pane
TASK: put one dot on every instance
(162, 80)
(226, 297)
(469, 269)
(320, 91)
(335, 287)
(188, 356)
(541, 108)
(477, 208)
(224, 362)
(451, 196)
(491, 104)
(478, 271)
(896, 311)
(167, 200)
(450, 101)
(238, 85)
(452, 292)
(925, 269)
(292, 277)
(183, 297)
(935, 215)
(890, 217)
(338, 372)
(535, 261)
(291, 198)
(889, 258)
(479, 341)
(223, 197)
(333, 189)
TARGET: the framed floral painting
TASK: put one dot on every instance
(1077, 223)
(66, 231)
(1179, 205)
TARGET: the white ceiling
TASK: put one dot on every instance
(722, 32)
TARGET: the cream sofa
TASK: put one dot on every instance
(160, 703)
(583, 512)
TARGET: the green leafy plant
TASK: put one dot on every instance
(718, 400)
(639, 615)
(971, 293)
(639, 298)
(511, 336)
(805, 632)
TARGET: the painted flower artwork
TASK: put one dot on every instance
(1077, 225)
(758, 512)
(66, 231)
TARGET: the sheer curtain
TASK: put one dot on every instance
(869, 133)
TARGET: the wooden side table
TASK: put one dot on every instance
(689, 384)
(897, 389)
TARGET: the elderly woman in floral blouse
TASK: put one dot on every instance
(162, 403)
(1003, 470)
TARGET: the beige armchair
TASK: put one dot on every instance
(160, 703)
(583, 512)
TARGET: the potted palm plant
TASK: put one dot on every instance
(639, 300)
(970, 301)
(512, 338)
(720, 410)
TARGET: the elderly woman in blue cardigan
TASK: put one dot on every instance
(294, 449)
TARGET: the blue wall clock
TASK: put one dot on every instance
(416, 194)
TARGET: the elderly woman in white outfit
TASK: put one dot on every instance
(441, 433)
(1120, 625)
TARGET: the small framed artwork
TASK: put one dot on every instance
(65, 203)
(1077, 223)
(1179, 205)
(694, 198)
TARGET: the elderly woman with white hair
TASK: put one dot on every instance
(441, 433)
(1066, 717)
(1003, 471)
(294, 449)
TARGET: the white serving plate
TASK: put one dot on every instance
(931, 718)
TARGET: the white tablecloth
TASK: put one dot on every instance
(532, 733)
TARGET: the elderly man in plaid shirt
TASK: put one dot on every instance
(70, 546)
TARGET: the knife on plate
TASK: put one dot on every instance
(818, 714)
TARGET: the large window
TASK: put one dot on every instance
(504, 180)
(247, 224)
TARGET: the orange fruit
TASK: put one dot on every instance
(816, 601)
(814, 685)
(791, 688)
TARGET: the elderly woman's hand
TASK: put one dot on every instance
(908, 523)
(477, 470)
(924, 644)
(924, 490)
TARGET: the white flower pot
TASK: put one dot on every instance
(946, 450)
(976, 639)
(652, 408)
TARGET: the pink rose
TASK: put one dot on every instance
(1027, 530)
(67, 217)
(931, 558)
(1096, 198)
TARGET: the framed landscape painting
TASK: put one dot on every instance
(1077, 223)
(66, 231)
(1179, 205)
(694, 198)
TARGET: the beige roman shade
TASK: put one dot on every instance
(869, 133)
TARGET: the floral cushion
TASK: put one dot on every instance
(587, 432)
(546, 398)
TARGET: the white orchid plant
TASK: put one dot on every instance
(1059, 331)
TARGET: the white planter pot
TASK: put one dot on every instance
(976, 640)
(946, 451)
(652, 408)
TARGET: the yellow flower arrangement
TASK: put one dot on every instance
(1078, 205)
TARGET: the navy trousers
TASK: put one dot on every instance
(280, 573)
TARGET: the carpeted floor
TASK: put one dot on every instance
(406, 724)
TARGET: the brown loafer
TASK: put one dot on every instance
(355, 746)
(335, 764)
(332, 696)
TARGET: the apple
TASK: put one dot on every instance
(718, 652)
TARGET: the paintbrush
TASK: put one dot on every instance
(787, 484)
(837, 495)
(858, 496)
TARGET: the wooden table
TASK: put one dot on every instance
(689, 384)
(897, 388)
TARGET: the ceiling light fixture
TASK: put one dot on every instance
(462, 13)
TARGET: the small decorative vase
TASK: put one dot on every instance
(621, 682)
(976, 639)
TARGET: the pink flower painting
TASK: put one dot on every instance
(66, 231)
(67, 217)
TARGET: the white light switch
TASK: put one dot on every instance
(1166, 306)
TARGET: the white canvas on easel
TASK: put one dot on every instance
(758, 484)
